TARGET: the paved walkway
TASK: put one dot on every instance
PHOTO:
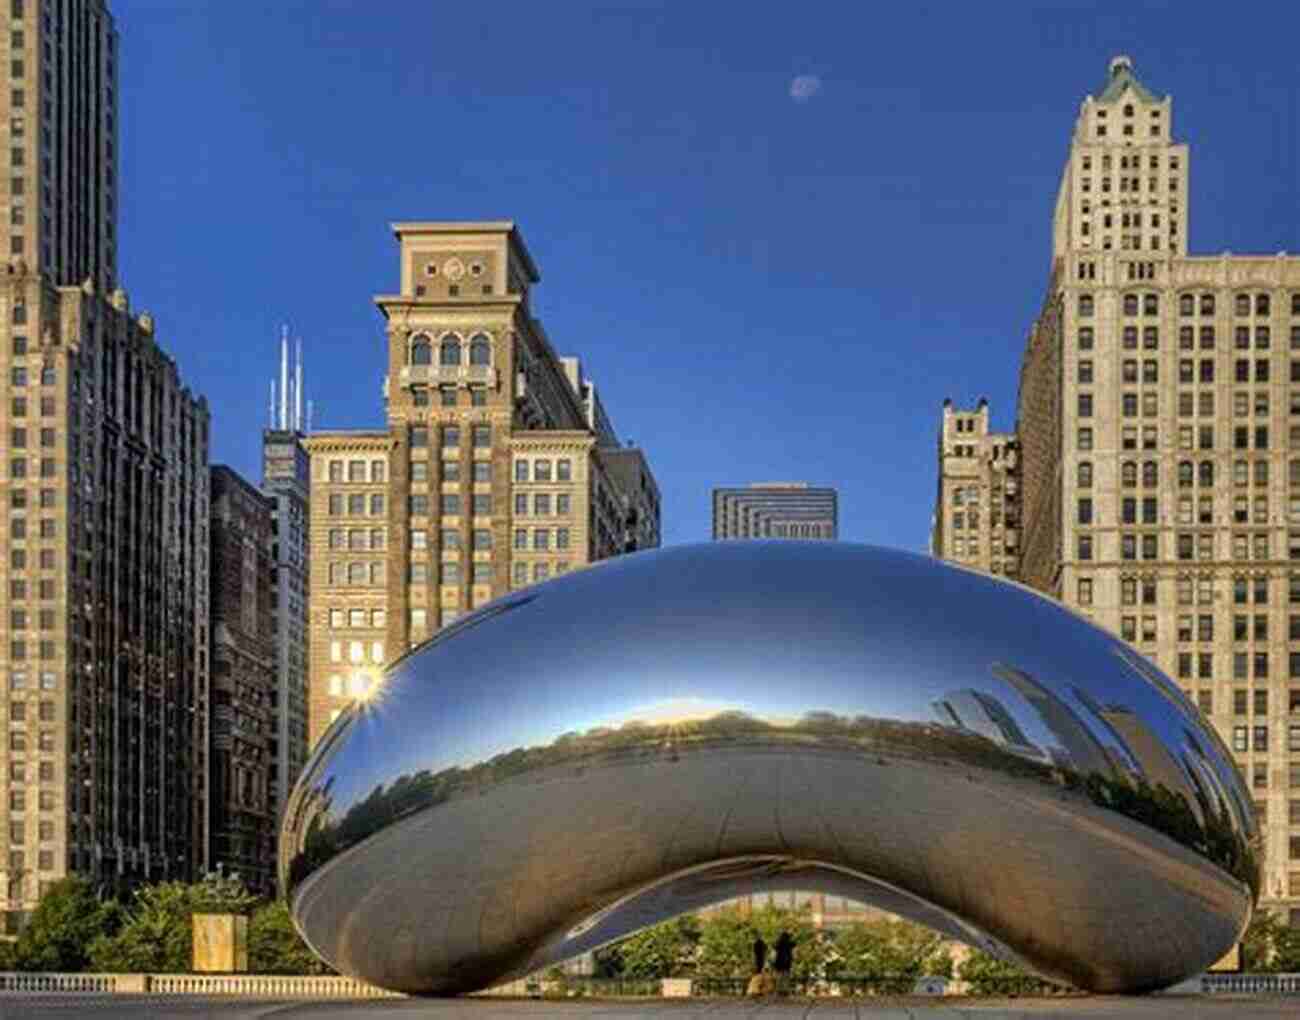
(103, 1007)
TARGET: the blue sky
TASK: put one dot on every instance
(763, 287)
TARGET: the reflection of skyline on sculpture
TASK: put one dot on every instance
(749, 702)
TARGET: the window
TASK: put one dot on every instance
(421, 349)
(1084, 590)
(481, 539)
(449, 350)
(481, 436)
(451, 471)
(480, 350)
(563, 469)
(1085, 405)
(1085, 511)
(521, 471)
(1085, 475)
(450, 437)
(450, 503)
(1086, 305)
(483, 471)
(542, 470)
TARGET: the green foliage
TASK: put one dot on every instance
(274, 945)
(1269, 945)
(893, 953)
(67, 919)
(987, 975)
(157, 934)
(663, 950)
(726, 948)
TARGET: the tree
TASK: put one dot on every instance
(1259, 942)
(988, 975)
(157, 934)
(662, 950)
(274, 945)
(891, 954)
(727, 941)
(67, 919)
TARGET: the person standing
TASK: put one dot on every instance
(760, 954)
(783, 961)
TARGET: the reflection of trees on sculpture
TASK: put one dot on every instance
(1159, 808)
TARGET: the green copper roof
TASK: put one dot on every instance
(1121, 77)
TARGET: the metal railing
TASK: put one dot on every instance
(1250, 984)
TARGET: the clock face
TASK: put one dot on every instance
(453, 269)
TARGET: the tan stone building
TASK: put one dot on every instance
(242, 726)
(497, 468)
(977, 507)
(1159, 433)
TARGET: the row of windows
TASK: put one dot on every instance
(44, 832)
(357, 573)
(450, 349)
(358, 618)
(21, 619)
(20, 681)
(357, 470)
(357, 504)
(357, 685)
(542, 538)
(19, 498)
(1244, 591)
(1149, 304)
(451, 573)
(1188, 337)
(448, 396)
(19, 376)
(540, 571)
(539, 470)
(18, 407)
(480, 436)
(18, 744)
(356, 652)
(18, 530)
(451, 471)
(450, 538)
(450, 504)
(356, 538)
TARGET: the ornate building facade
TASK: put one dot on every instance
(1158, 423)
(977, 508)
(497, 467)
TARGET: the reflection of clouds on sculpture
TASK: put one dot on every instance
(822, 710)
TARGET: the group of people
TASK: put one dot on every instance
(765, 982)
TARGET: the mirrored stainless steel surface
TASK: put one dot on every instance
(669, 729)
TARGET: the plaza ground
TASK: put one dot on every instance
(108, 1007)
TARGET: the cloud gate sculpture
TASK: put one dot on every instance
(582, 759)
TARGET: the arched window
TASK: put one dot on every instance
(1085, 475)
(1184, 474)
(1186, 304)
(1150, 474)
(480, 350)
(1130, 304)
(449, 352)
(421, 350)
(1128, 474)
(1085, 305)
(1207, 472)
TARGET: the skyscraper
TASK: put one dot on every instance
(498, 466)
(1158, 426)
(775, 510)
(103, 505)
(286, 480)
(62, 117)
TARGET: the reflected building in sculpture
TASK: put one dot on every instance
(1158, 436)
(877, 727)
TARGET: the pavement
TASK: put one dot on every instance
(119, 1007)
